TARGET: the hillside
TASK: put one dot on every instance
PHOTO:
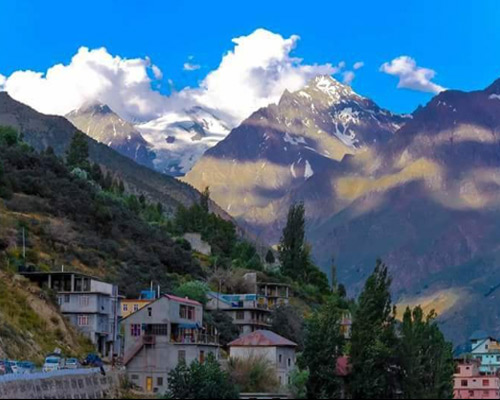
(426, 199)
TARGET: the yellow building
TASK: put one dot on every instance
(129, 306)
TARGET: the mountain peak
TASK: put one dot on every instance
(93, 107)
(328, 86)
(494, 88)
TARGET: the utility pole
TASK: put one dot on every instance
(24, 245)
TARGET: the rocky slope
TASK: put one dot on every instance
(99, 122)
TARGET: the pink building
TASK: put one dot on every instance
(469, 383)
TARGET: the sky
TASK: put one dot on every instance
(151, 57)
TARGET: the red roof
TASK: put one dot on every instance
(343, 368)
(262, 338)
(182, 300)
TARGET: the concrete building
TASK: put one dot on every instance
(277, 293)
(159, 336)
(129, 306)
(249, 312)
(486, 349)
(88, 303)
(470, 383)
(280, 352)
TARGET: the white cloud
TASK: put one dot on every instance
(191, 67)
(411, 76)
(251, 75)
(3, 79)
(348, 77)
(358, 65)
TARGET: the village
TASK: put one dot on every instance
(149, 336)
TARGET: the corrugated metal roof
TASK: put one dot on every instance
(182, 300)
(262, 338)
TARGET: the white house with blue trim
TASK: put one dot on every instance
(486, 349)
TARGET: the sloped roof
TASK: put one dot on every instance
(182, 300)
(262, 338)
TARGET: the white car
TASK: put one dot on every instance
(52, 363)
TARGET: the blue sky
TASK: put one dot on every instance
(459, 40)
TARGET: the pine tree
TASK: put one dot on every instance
(292, 249)
(425, 357)
(78, 152)
(270, 259)
(205, 199)
(323, 345)
(373, 343)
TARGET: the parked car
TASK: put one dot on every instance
(72, 363)
(53, 362)
(11, 367)
(26, 367)
(2, 368)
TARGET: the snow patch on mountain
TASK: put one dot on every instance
(495, 96)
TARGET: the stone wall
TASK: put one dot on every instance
(66, 384)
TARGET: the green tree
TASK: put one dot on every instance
(201, 381)
(288, 322)
(323, 345)
(223, 322)
(195, 290)
(205, 199)
(373, 343)
(298, 383)
(426, 359)
(270, 259)
(78, 152)
(8, 136)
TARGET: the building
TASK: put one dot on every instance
(470, 383)
(159, 336)
(88, 303)
(129, 306)
(250, 312)
(346, 324)
(277, 293)
(280, 352)
(486, 349)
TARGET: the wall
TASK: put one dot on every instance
(65, 384)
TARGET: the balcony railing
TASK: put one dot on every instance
(194, 339)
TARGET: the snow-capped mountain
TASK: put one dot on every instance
(102, 124)
(179, 139)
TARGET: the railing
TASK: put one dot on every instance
(194, 339)
(46, 375)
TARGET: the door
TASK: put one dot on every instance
(149, 384)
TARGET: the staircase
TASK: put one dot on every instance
(145, 340)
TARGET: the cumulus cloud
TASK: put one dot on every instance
(191, 67)
(348, 77)
(358, 65)
(253, 74)
(411, 76)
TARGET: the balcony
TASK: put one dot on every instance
(195, 338)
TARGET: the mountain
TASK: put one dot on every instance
(179, 139)
(101, 123)
(42, 131)
(423, 193)
(279, 148)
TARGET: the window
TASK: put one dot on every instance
(159, 381)
(136, 307)
(125, 307)
(289, 362)
(181, 356)
(186, 312)
(486, 382)
(150, 312)
(66, 298)
(464, 382)
(280, 358)
(135, 377)
(157, 329)
(83, 301)
(83, 320)
(289, 380)
(240, 314)
(135, 330)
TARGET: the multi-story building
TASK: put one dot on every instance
(88, 303)
(486, 349)
(277, 293)
(280, 352)
(129, 306)
(159, 336)
(470, 383)
(249, 312)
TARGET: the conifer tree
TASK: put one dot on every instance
(373, 343)
(204, 199)
(78, 152)
(270, 259)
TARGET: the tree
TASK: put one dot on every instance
(373, 343)
(270, 259)
(289, 323)
(254, 374)
(200, 381)
(323, 345)
(292, 248)
(8, 136)
(78, 152)
(298, 383)
(205, 199)
(195, 290)
(425, 357)
(223, 322)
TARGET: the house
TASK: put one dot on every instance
(89, 303)
(486, 349)
(129, 306)
(159, 336)
(249, 312)
(277, 293)
(346, 324)
(280, 352)
(470, 383)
